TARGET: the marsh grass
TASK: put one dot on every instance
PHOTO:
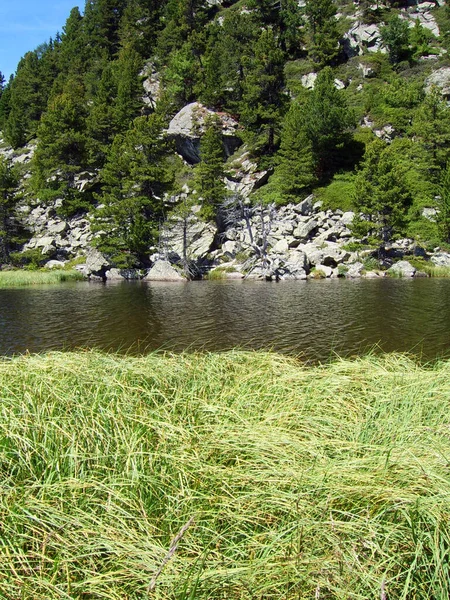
(223, 476)
(21, 277)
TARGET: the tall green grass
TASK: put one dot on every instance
(21, 278)
(232, 476)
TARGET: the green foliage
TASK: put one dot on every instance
(443, 219)
(339, 193)
(26, 99)
(31, 276)
(263, 92)
(209, 173)
(394, 102)
(62, 150)
(420, 39)
(8, 183)
(382, 196)
(289, 470)
(323, 30)
(396, 37)
(328, 122)
(134, 178)
(431, 128)
(294, 171)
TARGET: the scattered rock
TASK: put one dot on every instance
(441, 259)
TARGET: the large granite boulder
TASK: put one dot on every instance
(162, 270)
(441, 80)
(188, 126)
(402, 268)
(96, 263)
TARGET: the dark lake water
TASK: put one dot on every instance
(313, 319)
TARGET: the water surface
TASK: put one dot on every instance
(314, 319)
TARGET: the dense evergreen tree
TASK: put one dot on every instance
(322, 26)
(73, 53)
(5, 103)
(209, 173)
(431, 126)
(101, 25)
(328, 121)
(443, 218)
(26, 101)
(227, 58)
(8, 182)
(382, 197)
(101, 123)
(396, 37)
(135, 178)
(129, 87)
(62, 149)
(263, 97)
(294, 173)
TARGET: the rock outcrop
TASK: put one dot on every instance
(188, 125)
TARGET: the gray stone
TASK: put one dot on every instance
(439, 79)
(57, 227)
(327, 271)
(162, 270)
(354, 270)
(54, 264)
(303, 230)
(305, 206)
(114, 275)
(402, 269)
(281, 247)
(96, 263)
(44, 242)
(347, 217)
(441, 259)
(188, 125)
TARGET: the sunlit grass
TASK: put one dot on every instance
(285, 481)
(21, 277)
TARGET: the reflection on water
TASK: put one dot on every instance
(315, 319)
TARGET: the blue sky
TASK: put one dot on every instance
(24, 24)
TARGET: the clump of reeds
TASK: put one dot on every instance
(21, 277)
(231, 476)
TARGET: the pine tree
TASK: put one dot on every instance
(8, 183)
(396, 37)
(382, 196)
(443, 219)
(294, 173)
(324, 34)
(26, 102)
(129, 87)
(2, 84)
(263, 98)
(5, 103)
(135, 178)
(227, 57)
(209, 174)
(328, 120)
(101, 125)
(62, 149)
(74, 53)
(101, 25)
(431, 128)
(139, 26)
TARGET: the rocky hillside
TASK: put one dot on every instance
(254, 139)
